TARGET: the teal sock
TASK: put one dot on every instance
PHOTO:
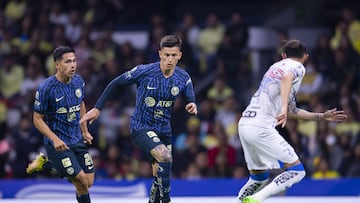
(164, 173)
(83, 198)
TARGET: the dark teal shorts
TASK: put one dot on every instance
(70, 162)
(146, 140)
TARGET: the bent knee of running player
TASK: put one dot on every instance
(161, 153)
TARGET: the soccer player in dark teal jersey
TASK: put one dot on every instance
(58, 108)
(158, 85)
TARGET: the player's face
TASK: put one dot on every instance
(169, 57)
(66, 67)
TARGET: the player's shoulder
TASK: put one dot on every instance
(144, 67)
(48, 82)
(181, 72)
(288, 64)
(292, 62)
(78, 79)
(149, 66)
(295, 66)
(145, 70)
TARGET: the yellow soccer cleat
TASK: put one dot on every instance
(249, 199)
(37, 164)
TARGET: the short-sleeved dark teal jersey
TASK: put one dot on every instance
(156, 95)
(60, 104)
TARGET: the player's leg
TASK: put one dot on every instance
(294, 173)
(256, 181)
(147, 140)
(154, 190)
(85, 161)
(267, 149)
(163, 156)
(80, 181)
(159, 151)
(67, 165)
(258, 178)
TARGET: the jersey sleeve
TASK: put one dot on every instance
(188, 92)
(129, 77)
(41, 101)
(82, 82)
(297, 71)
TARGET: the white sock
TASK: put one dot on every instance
(250, 187)
(279, 184)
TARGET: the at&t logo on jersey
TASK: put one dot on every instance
(71, 113)
(150, 102)
(164, 103)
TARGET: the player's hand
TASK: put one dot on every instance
(191, 108)
(90, 116)
(87, 138)
(282, 117)
(334, 115)
(59, 145)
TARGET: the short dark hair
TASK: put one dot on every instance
(60, 51)
(294, 48)
(171, 41)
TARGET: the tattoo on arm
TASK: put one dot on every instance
(293, 109)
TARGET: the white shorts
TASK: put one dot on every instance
(265, 147)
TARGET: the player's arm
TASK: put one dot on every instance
(44, 129)
(189, 95)
(285, 88)
(128, 77)
(84, 129)
(329, 115)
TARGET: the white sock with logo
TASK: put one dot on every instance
(279, 184)
(250, 187)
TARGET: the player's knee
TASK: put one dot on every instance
(81, 182)
(165, 157)
(90, 182)
(161, 153)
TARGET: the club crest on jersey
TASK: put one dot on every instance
(37, 94)
(175, 90)
(78, 93)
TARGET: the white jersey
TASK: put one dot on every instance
(265, 104)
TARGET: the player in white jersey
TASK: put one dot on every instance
(271, 105)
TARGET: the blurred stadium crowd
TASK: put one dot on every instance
(215, 53)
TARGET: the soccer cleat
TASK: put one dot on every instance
(249, 199)
(37, 164)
